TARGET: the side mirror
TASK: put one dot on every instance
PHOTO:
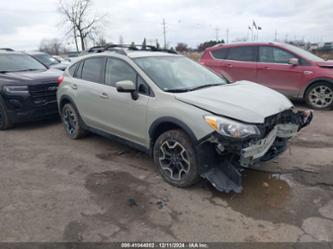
(125, 86)
(293, 61)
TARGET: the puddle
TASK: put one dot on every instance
(73, 232)
(124, 199)
(268, 196)
(113, 191)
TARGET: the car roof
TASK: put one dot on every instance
(238, 44)
(11, 52)
(132, 54)
(138, 54)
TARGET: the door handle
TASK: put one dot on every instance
(104, 96)
(267, 68)
(229, 65)
(74, 86)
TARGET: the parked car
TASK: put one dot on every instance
(61, 59)
(27, 89)
(288, 69)
(185, 116)
(49, 60)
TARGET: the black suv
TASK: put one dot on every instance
(27, 89)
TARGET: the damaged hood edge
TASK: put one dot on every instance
(244, 101)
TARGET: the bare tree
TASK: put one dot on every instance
(51, 46)
(121, 40)
(82, 25)
(182, 47)
(101, 41)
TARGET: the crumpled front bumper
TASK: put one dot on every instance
(224, 165)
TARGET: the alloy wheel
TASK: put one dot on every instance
(70, 121)
(321, 96)
(174, 160)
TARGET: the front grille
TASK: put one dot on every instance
(43, 93)
(284, 117)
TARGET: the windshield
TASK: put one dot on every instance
(177, 73)
(305, 54)
(19, 62)
(46, 59)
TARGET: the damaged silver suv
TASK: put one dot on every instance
(185, 116)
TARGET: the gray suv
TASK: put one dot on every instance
(185, 116)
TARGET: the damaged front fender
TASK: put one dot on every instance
(222, 160)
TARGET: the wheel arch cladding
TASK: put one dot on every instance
(65, 100)
(164, 124)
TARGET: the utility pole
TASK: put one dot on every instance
(217, 30)
(276, 34)
(164, 33)
(227, 36)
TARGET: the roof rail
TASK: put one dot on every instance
(7, 49)
(122, 48)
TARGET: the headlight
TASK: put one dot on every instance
(16, 89)
(231, 128)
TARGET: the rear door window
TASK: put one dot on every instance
(246, 53)
(93, 69)
(274, 55)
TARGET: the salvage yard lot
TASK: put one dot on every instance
(94, 189)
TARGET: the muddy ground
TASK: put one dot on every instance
(57, 189)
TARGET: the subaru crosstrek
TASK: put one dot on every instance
(296, 73)
(185, 116)
(27, 89)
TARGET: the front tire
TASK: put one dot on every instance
(175, 157)
(72, 122)
(320, 96)
(5, 122)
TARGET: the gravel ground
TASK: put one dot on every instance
(57, 189)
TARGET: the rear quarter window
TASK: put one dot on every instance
(71, 69)
(220, 53)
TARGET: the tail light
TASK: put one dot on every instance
(60, 80)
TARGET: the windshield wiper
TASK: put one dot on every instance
(205, 86)
(28, 70)
(178, 90)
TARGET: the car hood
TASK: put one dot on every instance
(325, 63)
(61, 66)
(244, 101)
(30, 77)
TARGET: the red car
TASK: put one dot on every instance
(288, 69)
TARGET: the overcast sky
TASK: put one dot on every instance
(23, 24)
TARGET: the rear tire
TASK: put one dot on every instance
(320, 96)
(72, 122)
(176, 159)
(5, 122)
